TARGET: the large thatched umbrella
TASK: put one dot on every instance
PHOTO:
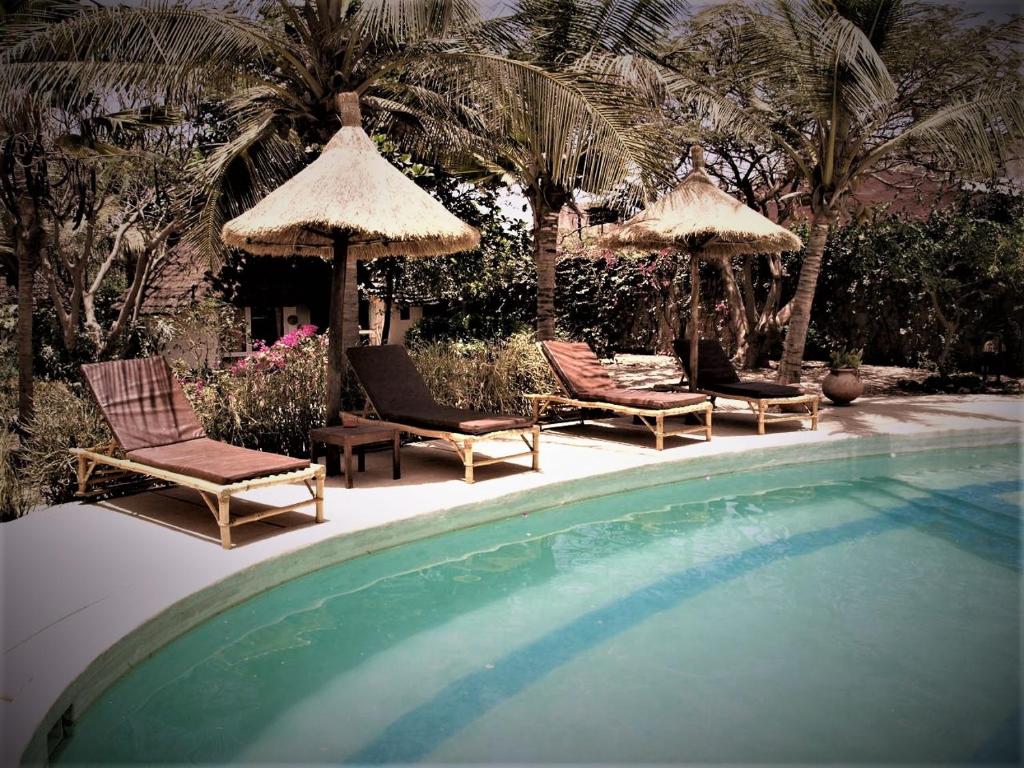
(701, 219)
(349, 203)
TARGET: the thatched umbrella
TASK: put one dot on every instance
(348, 203)
(701, 219)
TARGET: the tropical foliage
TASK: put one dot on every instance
(843, 87)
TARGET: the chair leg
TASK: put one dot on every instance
(535, 450)
(396, 456)
(319, 497)
(467, 459)
(224, 520)
(659, 432)
(83, 476)
(707, 424)
(760, 417)
(814, 414)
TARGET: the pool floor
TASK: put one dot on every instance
(857, 611)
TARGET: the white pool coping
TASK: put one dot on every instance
(89, 592)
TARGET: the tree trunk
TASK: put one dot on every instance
(694, 318)
(350, 320)
(800, 320)
(389, 301)
(546, 201)
(336, 330)
(737, 310)
(28, 244)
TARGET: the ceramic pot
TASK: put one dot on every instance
(842, 385)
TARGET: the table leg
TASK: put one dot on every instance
(348, 465)
(333, 459)
(396, 456)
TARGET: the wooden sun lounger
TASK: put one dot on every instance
(717, 378)
(150, 418)
(398, 396)
(578, 370)
(217, 497)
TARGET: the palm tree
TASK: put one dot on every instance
(594, 145)
(843, 86)
(426, 72)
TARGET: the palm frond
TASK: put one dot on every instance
(968, 134)
(398, 22)
(163, 48)
(581, 128)
(234, 176)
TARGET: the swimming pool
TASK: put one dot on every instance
(856, 611)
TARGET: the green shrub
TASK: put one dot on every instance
(16, 496)
(484, 376)
(65, 417)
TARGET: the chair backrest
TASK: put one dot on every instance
(713, 365)
(142, 402)
(390, 380)
(578, 368)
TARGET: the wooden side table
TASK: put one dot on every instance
(348, 438)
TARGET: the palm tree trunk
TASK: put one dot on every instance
(546, 201)
(800, 320)
(389, 302)
(27, 249)
(336, 329)
(350, 319)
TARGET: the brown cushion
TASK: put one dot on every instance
(390, 379)
(578, 368)
(755, 388)
(217, 462)
(644, 398)
(713, 365)
(467, 422)
(142, 402)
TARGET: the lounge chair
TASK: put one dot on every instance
(587, 385)
(156, 433)
(716, 377)
(398, 394)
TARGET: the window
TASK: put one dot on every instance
(264, 324)
(403, 311)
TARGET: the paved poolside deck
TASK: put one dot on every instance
(77, 578)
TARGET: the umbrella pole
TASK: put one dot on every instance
(335, 328)
(694, 318)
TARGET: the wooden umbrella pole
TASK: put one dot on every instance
(335, 328)
(694, 317)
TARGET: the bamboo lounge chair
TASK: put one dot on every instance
(401, 400)
(716, 377)
(156, 433)
(587, 385)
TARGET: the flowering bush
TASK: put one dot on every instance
(269, 400)
(274, 357)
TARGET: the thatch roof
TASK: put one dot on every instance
(698, 216)
(350, 189)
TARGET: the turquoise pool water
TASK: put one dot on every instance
(858, 611)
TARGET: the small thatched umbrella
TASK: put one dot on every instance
(701, 219)
(349, 202)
